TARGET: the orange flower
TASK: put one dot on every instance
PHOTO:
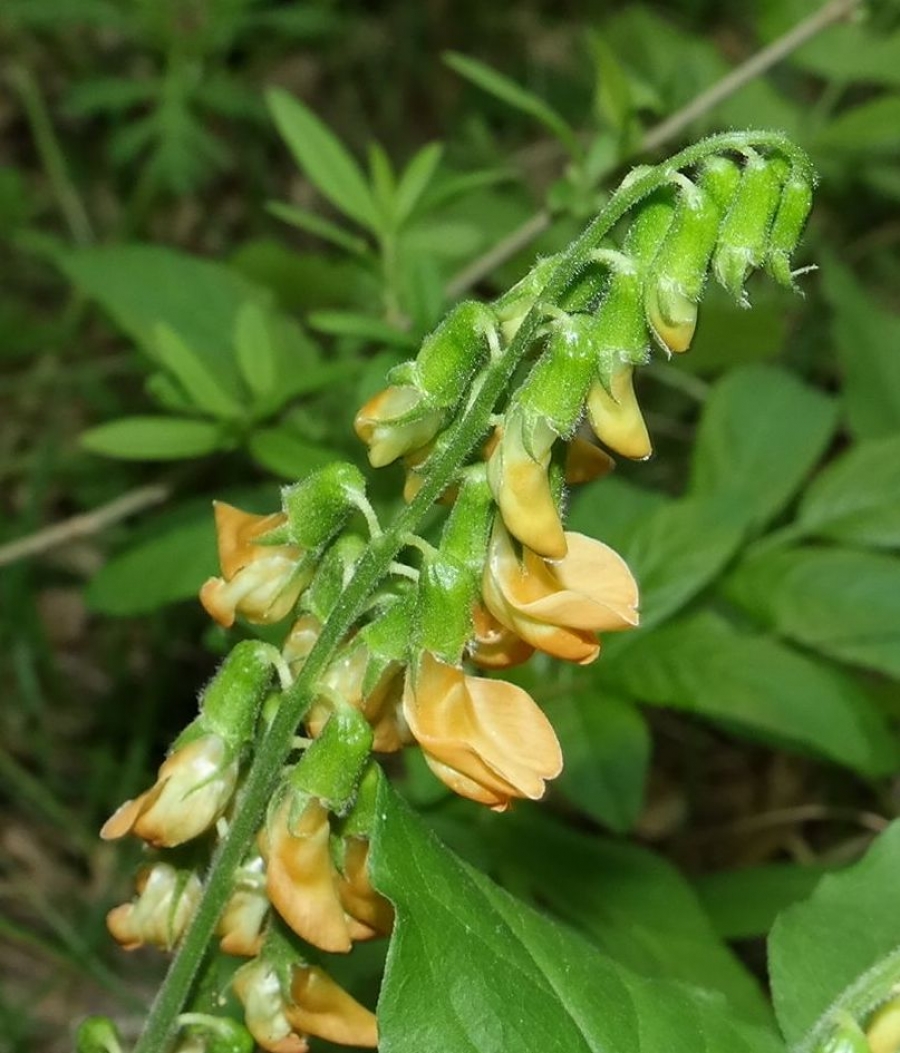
(396, 421)
(586, 462)
(558, 607)
(261, 582)
(517, 475)
(301, 878)
(322, 1008)
(493, 645)
(616, 416)
(165, 903)
(486, 739)
(195, 785)
(241, 924)
(370, 913)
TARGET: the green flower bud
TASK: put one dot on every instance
(97, 1034)
(585, 290)
(719, 177)
(387, 636)
(514, 305)
(618, 332)
(649, 227)
(787, 227)
(678, 272)
(332, 574)
(446, 594)
(230, 703)
(465, 535)
(744, 233)
(318, 507)
(333, 765)
(452, 354)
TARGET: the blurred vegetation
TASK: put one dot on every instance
(222, 220)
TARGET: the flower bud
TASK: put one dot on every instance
(517, 473)
(230, 702)
(720, 177)
(451, 355)
(678, 272)
(396, 421)
(97, 1034)
(165, 903)
(787, 227)
(616, 417)
(744, 233)
(514, 305)
(194, 787)
(318, 507)
(261, 582)
(649, 227)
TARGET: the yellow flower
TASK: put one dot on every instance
(485, 739)
(260, 582)
(241, 924)
(616, 417)
(165, 903)
(396, 421)
(493, 646)
(559, 607)
(672, 315)
(517, 475)
(194, 787)
(369, 912)
(322, 1008)
(301, 878)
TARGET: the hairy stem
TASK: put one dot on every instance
(461, 439)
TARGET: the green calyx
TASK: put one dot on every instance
(230, 703)
(318, 507)
(333, 765)
(452, 354)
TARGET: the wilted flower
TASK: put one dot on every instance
(301, 878)
(517, 475)
(486, 739)
(322, 1008)
(494, 646)
(616, 418)
(165, 903)
(396, 421)
(559, 607)
(195, 785)
(241, 924)
(369, 912)
(260, 582)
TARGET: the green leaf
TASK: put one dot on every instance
(606, 745)
(743, 904)
(141, 286)
(361, 326)
(611, 508)
(866, 337)
(199, 382)
(761, 433)
(109, 95)
(514, 95)
(851, 53)
(314, 224)
(329, 167)
(845, 935)
(415, 180)
(154, 438)
(255, 351)
(472, 970)
(855, 498)
(756, 686)
(632, 903)
(864, 129)
(843, 603)
(286, 454)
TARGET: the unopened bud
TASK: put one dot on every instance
(396, 421)
(649, 227)
(744, 233)
(787, 227)
(318, 507)
(616, 417)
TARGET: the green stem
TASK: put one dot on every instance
(461, 439)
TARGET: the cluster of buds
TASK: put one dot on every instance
(503, 580)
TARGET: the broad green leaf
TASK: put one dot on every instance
(743, 904)
(841, 602)
(255, 351)
(729, 336)
(472, 970)
(844, 936)
(415, 179)
(315, 224)
(323, 158)
(850, 53)
(761, 433)
(286, 454)
(632, 903)
(757, 686)
(514, 95)
(165, 569)
(855, 499)
(362, 326)
(866, 337)
(606, 745)
(384, 185)
(193, 374)
(868, 128)
(141, 286)
(154, 438)
(612, 508)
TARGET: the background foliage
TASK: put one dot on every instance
(209, 275)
